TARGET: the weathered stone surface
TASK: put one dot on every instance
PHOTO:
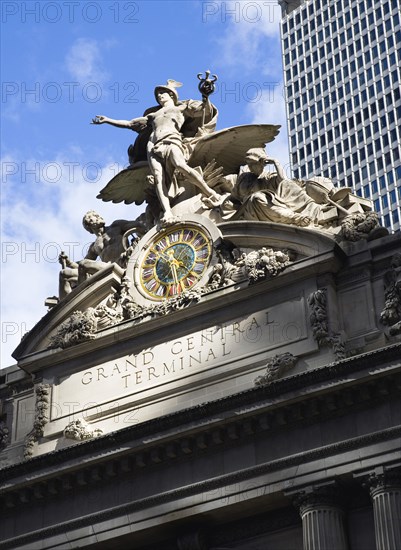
(134, 398)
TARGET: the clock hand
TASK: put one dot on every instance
(172, 260)
(181, 254)
(174, 273)
(165, 256)
(162, 255)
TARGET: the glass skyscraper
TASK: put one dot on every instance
(342, 63)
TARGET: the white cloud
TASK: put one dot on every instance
(84, 61)
(36, 227)
(270, 109)
(249, 29)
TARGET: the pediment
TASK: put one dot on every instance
(307, 248)
(89, 294)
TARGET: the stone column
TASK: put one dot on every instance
(323, 519)
(385, 490)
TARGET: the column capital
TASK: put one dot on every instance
(323, 518)
(381, 480)
(317, 497)
(384, 486)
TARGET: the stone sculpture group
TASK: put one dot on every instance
(179, 165)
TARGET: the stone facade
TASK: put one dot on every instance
(261, 414)
(223, 371)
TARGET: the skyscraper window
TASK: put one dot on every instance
(358, 95)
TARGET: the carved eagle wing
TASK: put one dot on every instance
(127, 186)
(228, 147)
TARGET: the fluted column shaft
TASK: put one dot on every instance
(323, 519)
(386, 497)
(323, 529)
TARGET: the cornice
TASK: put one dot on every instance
(189, 490)
(207, 428)
(302, 407)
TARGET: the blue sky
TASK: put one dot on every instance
(64, 63)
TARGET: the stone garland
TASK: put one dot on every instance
(391, 314)
(276, 367)
(317, 302)
(255, 266)
(262, 264)
(4, 435)
(78, 430)
(362, 225)
(41, 418)
(79, 327)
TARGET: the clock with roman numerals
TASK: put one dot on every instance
(174, 260)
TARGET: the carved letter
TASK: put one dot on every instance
(116, 369)
(190, 343)
(88, 380)
(100, 372)
(151, 372)
(210, 354)
(125, 378)
(206, 336)
(224, 350)
(147, 360)
(127, 362)
(192, 358)
(167, 368)
(175, 350)
(138, 377)
(253, 331)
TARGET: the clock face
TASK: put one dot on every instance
(175, 261)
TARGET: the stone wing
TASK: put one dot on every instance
(127, 186)
(228, 147)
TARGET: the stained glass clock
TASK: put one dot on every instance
(173, 261)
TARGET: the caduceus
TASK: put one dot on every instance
(206, 87)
